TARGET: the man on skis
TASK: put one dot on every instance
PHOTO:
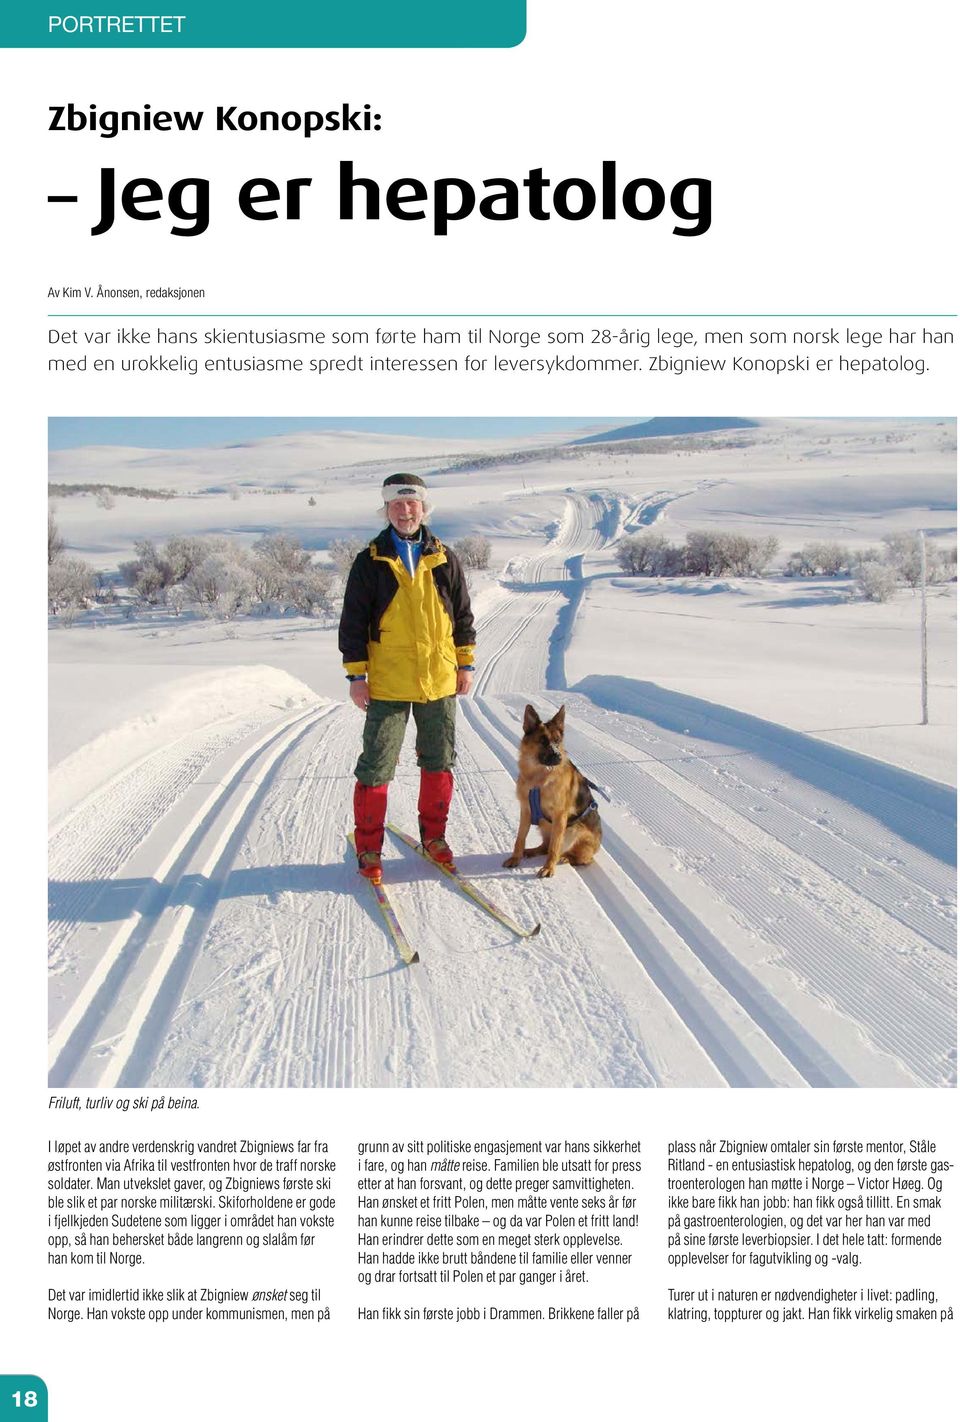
(407, 641)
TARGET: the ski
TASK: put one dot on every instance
(401, 942)
(468, 887)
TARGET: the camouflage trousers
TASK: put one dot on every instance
(384, 726)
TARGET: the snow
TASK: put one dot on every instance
(774, 902)
(797, 652)
(101, 724)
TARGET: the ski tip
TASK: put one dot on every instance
(415, 959)
(535, 930)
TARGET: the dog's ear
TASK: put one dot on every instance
(530, 720)
(558, 720)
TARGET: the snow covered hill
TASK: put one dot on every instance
(773, 905)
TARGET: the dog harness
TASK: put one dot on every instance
(536, 810)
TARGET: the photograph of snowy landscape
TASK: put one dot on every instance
(731, 612)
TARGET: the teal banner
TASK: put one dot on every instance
(22, 1397)
(281, 24)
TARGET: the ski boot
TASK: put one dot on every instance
(369, 814)
(438, 850)
(436, 792)
(369, 866)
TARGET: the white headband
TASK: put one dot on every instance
(403, 491)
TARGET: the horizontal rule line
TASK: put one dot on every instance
(500, 315)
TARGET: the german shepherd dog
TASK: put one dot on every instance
(552, 792)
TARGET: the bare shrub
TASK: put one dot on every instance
(177, 599)
(473, 551)
(71, 584)
(284, 551)
(702, 557)
(709, 555)
(155, 570)
(820, 559)
(183, 553)
(224, 581)
(105, 592)
(343, 551)
(670, 564)
(311, 591)
(643, 554)
(734, 552)
(761, 554)
(902, 551)
(279, 563)
(876, 580)
(704, 554)
(148, 574)
(55, 541)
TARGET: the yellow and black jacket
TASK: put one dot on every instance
(407, 633)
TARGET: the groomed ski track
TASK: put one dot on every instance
(768, 910)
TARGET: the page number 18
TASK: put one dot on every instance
(20, 1393)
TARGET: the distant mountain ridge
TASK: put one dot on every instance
(670, 425)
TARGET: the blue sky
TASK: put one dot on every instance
(150, 432)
